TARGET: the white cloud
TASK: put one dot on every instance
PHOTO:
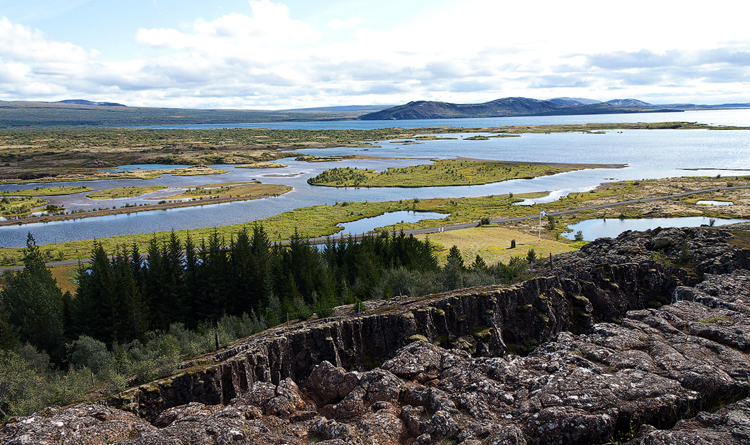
(165, 38)
(21, 43)
(340, 24)
(34, 66)
(13, 73)
(269, 27)
(469, 51)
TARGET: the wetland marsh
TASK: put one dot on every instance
(673, 150)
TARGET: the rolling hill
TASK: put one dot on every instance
(511, 106)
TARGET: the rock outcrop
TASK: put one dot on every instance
(616, 344)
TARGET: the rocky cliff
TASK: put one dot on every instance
(643, 338)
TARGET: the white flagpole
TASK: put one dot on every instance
(540, 226)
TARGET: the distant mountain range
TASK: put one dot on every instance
(522, 106)
(81, 112)
(85, 113)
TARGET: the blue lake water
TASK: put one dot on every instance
(126, 168)
(715, 203)
(610, 228)
(393, 219)
(646, 154)
(733, 117)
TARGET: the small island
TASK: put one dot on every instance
(200, 195)
(262, 165)
(442, 173)
(231, 191)
(124, 192)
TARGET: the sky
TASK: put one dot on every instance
(283, 54)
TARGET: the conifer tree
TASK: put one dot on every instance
(8, 332)
(34, 303)
(479, 264)
(130, 307)
(164, 281)
(95, 305)
(260, 278)
(455, 255)
(242, 298)
(191, 282)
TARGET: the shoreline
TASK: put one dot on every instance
(133, 209)
(430, 181)
(498, 219)
(551, 164)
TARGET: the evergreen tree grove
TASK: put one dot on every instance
(120, 298)
(34, 304)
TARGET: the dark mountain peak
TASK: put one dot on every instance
(510, 106)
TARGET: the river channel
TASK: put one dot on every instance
(647, 154)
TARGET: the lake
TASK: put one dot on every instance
(646, 153)
(365, 225)
(714, 203)
(610, 228)
(727, 117)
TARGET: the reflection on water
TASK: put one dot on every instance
(715, 203)
(552, 196)
(610, 228)
(365, 225)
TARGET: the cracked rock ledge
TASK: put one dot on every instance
(612, 344)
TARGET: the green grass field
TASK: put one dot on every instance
(321, 220)
(11, 207)
(493, 243)
(124, 192)
(48, 191)
(262, 165)
(238, 190)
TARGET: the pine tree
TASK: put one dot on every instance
(479, 264)
(191, 281)
(164, 281)
(129, 305)
(455, 255)
(34, 303)
(8, 332)
(243, 295)
(260, 275)
(95, 306)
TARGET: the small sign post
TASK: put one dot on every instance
(543, 213)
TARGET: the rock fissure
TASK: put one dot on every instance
(617, 342)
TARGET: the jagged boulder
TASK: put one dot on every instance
(204, 425)
(332, 430)
(652, 351)
(420, 361)
(282, 400)
(88, 424)
(330, 382)
(381, 428)
(728, 426)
